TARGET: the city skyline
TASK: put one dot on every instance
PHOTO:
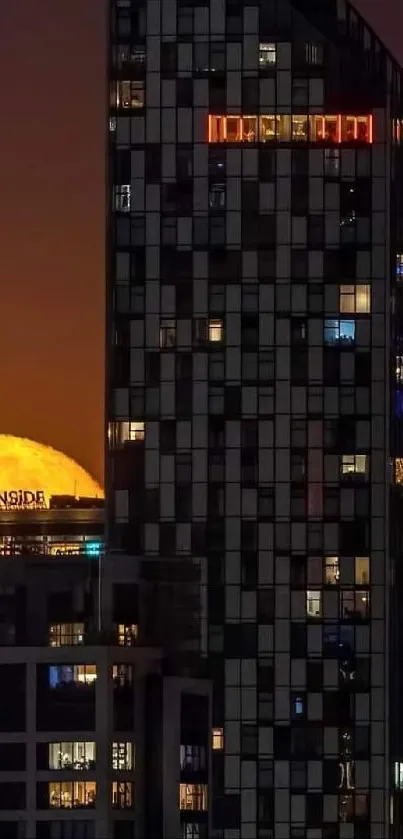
(48, 344)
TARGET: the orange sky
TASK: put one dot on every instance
(52, 212)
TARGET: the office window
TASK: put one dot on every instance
(354, 605)
(314, 54)
(122, 198)
(267, 55)
(122, 675)
(215, 331)
(66, 634)
(72, 794)
(399, 368)
(193, 797)
(123, 756)
(362, 570)
(339, 332)
(122, 795)
(332, 162)
(399, 267)
(192, 758)
(128, 95)
(299, 127)
(191, 830)
(355, 299)
(75, 755)
(314, 604)
(217, 197)
(354, 465)
(218, 739)
(136, 431)
(167, 333)
(398, 775)
(127, 634)
(332, 570)
(67, 674)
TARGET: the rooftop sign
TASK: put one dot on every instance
(22, 499)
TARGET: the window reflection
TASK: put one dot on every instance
(354, 605)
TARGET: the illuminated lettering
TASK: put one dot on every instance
(22, 499)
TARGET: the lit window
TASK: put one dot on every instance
(192, 758)
(339, 332)
(123, 757)
(71, 674)
(355, 299)
(249, 129)
(314, 604)
(193, 797)
(362, 570)
(122, 795)
(321, 128)
(267, 54)
(284, 128)
(66, 634)
(332, 570)
(399, 775)
(112, 125)
(191, 830)
(299, 125)
(217, 197)
(399, 368)
(74, 755)
(314, 53)
(268, 128)
(233, 129)
(218, 739)
(122, 198)
(72, 794)
(122, 675)
(354, 465)
(128, 95)
(215, 331)
(399, 470)
(136, 431)
(298, 706)
(138, 54)
(127, 634)
(167, 333)
(399, 267)
(354, 605)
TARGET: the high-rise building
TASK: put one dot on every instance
(255, 391)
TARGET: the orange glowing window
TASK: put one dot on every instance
(267, 128)
(249, 129)
(318, 128)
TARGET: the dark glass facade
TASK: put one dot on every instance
(255, 389)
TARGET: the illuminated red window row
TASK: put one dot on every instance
(284, 128)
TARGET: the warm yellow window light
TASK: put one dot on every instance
(215, 331)
(136, 431)
(332, 570)
(355, 299)
(218, 739)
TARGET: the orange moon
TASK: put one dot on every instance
(27, 465)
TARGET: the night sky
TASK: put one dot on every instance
(52, 217)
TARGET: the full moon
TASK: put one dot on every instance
(27, 465)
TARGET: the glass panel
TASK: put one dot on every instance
(234, 129)
(314, 604)
(299, 127)
(331, 134)
(284, 128)
(363, 129)
(348, 129)
(217, 126)
(332, 570)
(317, 129)
(362, 570)
(267, 128)
(249, 129)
